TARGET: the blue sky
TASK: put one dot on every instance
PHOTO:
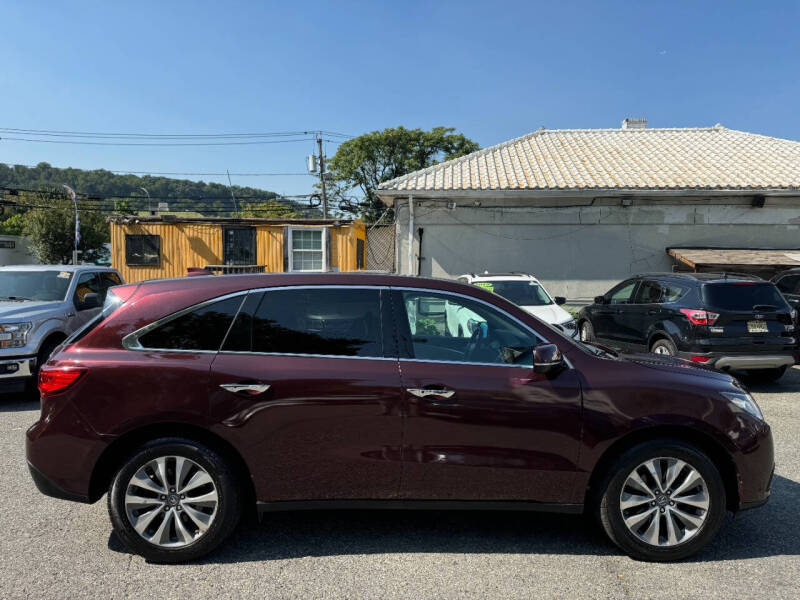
(493, 70)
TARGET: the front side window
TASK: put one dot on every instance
(108, 279)
(307, 249)
(449, 328)
(310, 321)
(622, 294)
(87, 284)
(142, 250)
(203, 328)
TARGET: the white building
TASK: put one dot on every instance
(583, 208)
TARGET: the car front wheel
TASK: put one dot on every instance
(586, 332)
(174, 500)
(663, 500)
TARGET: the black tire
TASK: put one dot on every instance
(765, 375)
(610, 515)
(586, 331)
(32, 387)
(664, 347)
(228, 509)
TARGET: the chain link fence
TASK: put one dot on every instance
(380, 248)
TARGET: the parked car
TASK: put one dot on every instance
(528, 293)
(40, 305)
(189, 400)
(788, 283)
(731, 322)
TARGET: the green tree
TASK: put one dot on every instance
(13, 225)
(52, 229)
(364, 162)
(271, 209)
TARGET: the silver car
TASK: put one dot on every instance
(40, 306)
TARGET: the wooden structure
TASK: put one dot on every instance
(157, 247)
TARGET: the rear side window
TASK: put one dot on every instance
(201, 329)
(789, 284)
(673, 291)
(317, 321)
(742, 296)
(649, 292)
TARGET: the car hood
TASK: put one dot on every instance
(671, 364)
(549, 313)
(25, 311)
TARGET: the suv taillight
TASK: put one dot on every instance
(57, 380)
(698, 316)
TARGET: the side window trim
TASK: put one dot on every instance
(404, 333)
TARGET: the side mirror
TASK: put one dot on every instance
(547, 359)
(90, 301)
(599, 299)
(560, 300)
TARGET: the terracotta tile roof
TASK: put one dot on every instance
(710, 158)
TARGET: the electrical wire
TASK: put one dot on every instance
(85, 143)
(90, 134)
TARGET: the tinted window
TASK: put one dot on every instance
(107, 279)
(522, 293)
(649, 292)
(789, 284)
(142, 250)
(741, 296)
(622, 295)
(333, 321)
(201, 329)
(456, 329)
(673, 291)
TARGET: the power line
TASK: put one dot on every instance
(184, 174)
(91, 134)
(227, 143)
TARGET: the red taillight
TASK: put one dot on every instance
(57, 380)
(700, 359)
(698, 316)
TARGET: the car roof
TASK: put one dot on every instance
(721, 276)
(497, 276)
(65, 268)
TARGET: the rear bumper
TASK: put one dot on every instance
(730, 361)
(50, 488)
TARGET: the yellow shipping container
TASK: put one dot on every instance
(154, 247)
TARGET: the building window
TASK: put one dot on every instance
(142, 250)
(360, 254)
(307, 249)
(240, 246)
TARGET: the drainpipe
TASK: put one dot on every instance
(411, 234)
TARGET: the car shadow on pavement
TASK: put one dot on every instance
(18, 403)
(771, 530)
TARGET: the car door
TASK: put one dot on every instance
(480, 424)
(86, 283)
(609, 318)
(307, 384)
(642, 315)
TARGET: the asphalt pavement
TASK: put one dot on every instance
(55, 549)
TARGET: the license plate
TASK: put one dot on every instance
(757, 327)
(4, 337)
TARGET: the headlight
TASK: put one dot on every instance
(14, 335)
(569, 325)
(746, 402)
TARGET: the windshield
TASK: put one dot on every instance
(520, 292)
(44, 286)
(743, 296)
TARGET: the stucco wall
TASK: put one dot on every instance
(581, 251)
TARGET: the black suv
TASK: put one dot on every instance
(731, 322)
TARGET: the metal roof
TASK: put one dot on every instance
(700, 158)
(700, 257)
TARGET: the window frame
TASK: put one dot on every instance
(622, 286)
(291, 250)
(128, 237)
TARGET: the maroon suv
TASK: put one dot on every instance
(190, 400)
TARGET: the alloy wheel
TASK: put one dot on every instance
(663, 350)
(171, 501)
(664, 502)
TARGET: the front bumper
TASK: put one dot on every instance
(16, 373)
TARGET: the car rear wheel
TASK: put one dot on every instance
(766, 375)
(587, 332)
(664, 347)
(174, 500)
(663, 500)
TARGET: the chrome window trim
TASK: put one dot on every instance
(131, 341)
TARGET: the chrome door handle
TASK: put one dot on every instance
(423, 393)
(249, 389)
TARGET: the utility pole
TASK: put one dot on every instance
(322, 178)
(77, 224)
